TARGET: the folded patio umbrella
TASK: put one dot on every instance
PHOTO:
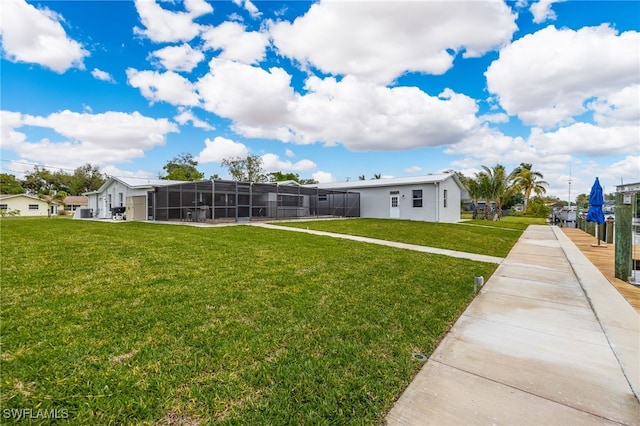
(596, 201)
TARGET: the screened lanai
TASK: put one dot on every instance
(229, 201)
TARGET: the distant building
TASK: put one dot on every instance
(27, 205)
(430, 198)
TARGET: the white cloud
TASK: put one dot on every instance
(99, 139)
(186, 116)
(9, 137)
(249, 7)
(102, 75)
(494, 118)
(364, 116)
(168, 87)
(36, 36)
(289, 153)
(359, 115)
(220, 148)
(162, 25)
(273, 163)
(178, 58)
(322, 177)
(541, 10)
(111, 170)
(246, 94)
(379, 41)
(627, 170)
(413, 169)
(236, 43)
(585, 138)
(549, 86)
(618, 108)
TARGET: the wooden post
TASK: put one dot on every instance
(624, 239)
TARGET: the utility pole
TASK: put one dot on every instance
(569, 188)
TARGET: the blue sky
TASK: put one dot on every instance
(330, 90)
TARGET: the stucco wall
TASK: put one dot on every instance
(22, 203)
(451, 213)
(375, 202)
(115, 188)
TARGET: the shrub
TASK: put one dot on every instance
(537, 208)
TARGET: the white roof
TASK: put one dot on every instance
(374, 183)
(139, 183)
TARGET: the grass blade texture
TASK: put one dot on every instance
(113, 323)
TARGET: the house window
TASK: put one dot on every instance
(109, 201)
(120, 199)
(445, 198)
(34, 206)
(417, 197)
(4, 207)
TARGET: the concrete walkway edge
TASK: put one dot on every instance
(414, 247)
(548, 340)
(619, 321)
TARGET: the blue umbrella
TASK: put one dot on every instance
(596, 200)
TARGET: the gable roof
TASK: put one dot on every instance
(375, 183)
(32, 197)
(76, 200)
(134, 183)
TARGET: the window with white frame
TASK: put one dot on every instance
(444, 197)
(4, 207)
(120, 199)
(417, 197)
(34, 207)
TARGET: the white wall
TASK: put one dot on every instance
(451, 213)
(375, 202)
(22, 203)
(100, 203)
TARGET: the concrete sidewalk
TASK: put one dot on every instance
(395, 244)
(548, 341)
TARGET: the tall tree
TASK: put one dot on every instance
(280, 177)
(38, 181)
(10, 185)
(182, 167)
(86, 178)
(527, 180)
(582, 200)
(247, 169)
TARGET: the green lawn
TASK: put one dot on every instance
(145, 323)
(513, 222)
(483, 239)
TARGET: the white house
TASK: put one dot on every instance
(118, 191)
(27, 205)
(431, 198)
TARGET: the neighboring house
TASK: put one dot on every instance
(75, 202)
(431, 198)
(27, 205)
(116, 192)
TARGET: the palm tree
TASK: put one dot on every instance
(527, 180)
(494, 186)
(473, 188)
